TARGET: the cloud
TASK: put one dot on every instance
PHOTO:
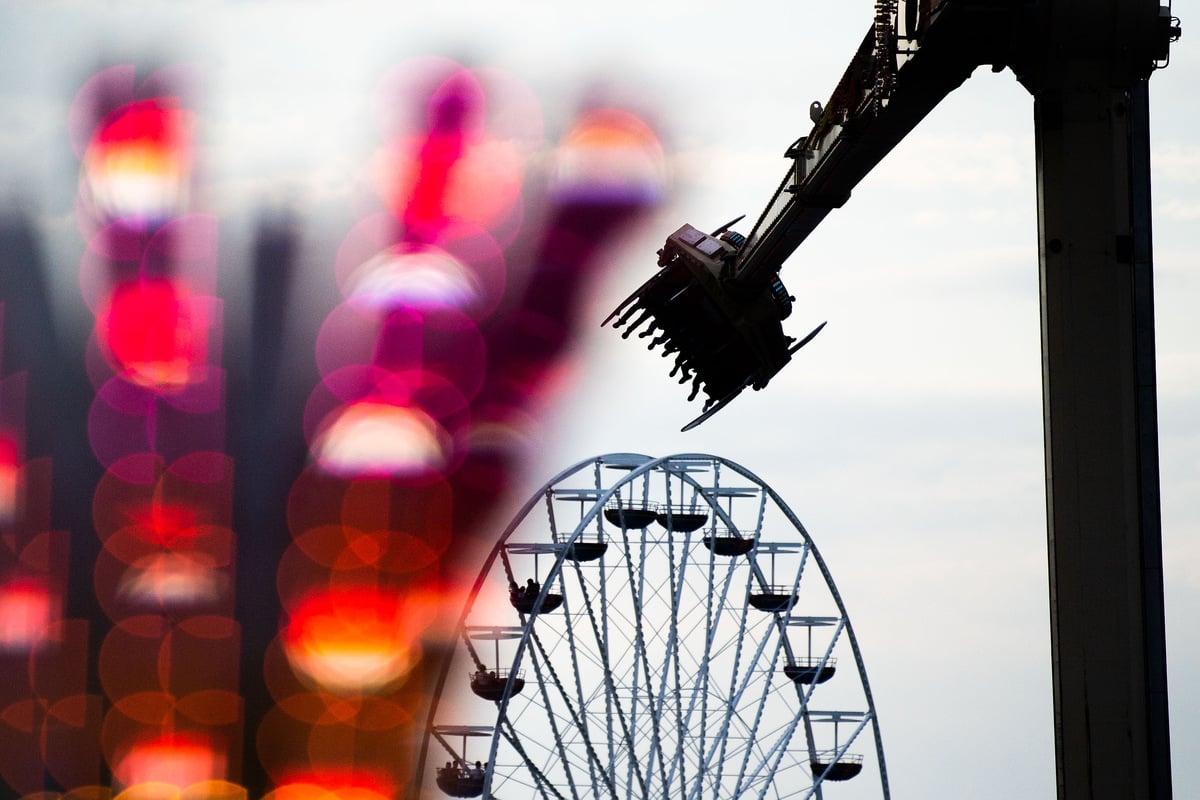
(1175, 162)
(1178, 210)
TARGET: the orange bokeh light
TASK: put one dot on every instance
(174, 759)
(354, 640)
(609, 153)
(334, 784)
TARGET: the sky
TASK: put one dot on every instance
(907, 436)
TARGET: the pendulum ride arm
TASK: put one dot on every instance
(717, 301)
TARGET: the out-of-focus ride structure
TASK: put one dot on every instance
(717, 304)
(653, 627)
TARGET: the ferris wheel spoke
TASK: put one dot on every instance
(577, 718)
(572, 645)
(780, 740)
(761, 706)
(558, 739)
(777, 625)
(671, 661)
(704, 676)
(730, 707)
(773, 757)
(637, 645)
(713, 614)
(541, 782)
(641, 658)
(610, 685)
(605, 627)
(603, 638)
(597, 659)
(668, 670)
(613, 654)
(672, 665)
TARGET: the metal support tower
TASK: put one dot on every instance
(1108, 642)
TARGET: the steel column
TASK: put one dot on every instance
(1105, 557)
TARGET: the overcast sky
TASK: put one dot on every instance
(907, 437)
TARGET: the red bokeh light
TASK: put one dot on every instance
(27, 610)
(152, 333)
(453, 170)
(10, 472)
(429, 182)
(164, 523)
(138, 164)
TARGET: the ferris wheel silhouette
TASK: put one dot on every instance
(666, 628)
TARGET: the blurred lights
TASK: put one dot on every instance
(334, 784)
(10, 473)
(433, 372)
(164, 523)
(351, 640)
(27, 611)
(138, 164)
(202, 790)
(162, 509)
(176, 580)
(375, 439)
(446, 176)
(463, 267)
(175, 759)
(610, 154)
(152, 334)
(415, 275)
(453, 163)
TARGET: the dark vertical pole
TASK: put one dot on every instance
(268, 450)
(1106, 591)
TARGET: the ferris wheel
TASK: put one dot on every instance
(654, 628)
